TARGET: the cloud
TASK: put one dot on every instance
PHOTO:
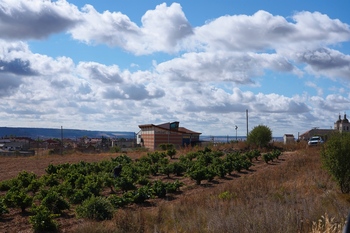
(132, 92)
(317, 27)
(36, 19)
(167, 26)
(16, 66)
(264, 32)
(326, 62)
(273, 103)
(98, 72)
(317, 88)
(111, 28)
(242, 32)
(222, 66)
(161, 31)
(9, 84)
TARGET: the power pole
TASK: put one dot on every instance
(61, 140)
(236, 127)
(247, 121)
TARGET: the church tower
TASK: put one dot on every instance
(342, 125)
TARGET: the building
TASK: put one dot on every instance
(288, 138)
(151, 136)
(324, 133)
(342, 125)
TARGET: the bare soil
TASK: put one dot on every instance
(17, 222)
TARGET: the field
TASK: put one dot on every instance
(290, 194)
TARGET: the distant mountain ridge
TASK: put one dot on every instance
(45, 133)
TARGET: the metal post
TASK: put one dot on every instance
(61, 140)
(236, 127)
(247, 121)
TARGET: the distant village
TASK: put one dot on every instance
(11, 145)
(150, 137)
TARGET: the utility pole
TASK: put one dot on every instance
(61, 140)
(236, 127)
(247, 121)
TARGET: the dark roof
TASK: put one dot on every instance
(184, 130)
(162, 126)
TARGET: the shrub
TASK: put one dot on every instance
(114, 149)
(143, 180)
(159, 188)
(25, 178)
(118, 201)
(267, 157)
(198, 173)
(276, 153)
(54, 202)
(169, 148)
(50, 180)
(142, 194)
(166, 146)
(256, 153)
(260, 136)
(5, 185)
(335, 157)
(125, 183)
(171, 153)
(156, 156)
(227, 195)
(34, 186)
(174, 186)
(166, 169)
(250, 155)
(108, 181)
(78, 196)
(95, 208)
(51, 169)
(3, 207)
(178, 168)
(18, 198)
(43, 220)
(219, 167)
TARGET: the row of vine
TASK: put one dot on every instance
(93, 192)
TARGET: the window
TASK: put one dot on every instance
(174, 125)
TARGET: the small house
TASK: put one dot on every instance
(288, 138)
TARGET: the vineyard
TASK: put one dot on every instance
(89, 191)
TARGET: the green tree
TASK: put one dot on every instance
(96, 208)
(260, 136)
(335, 158)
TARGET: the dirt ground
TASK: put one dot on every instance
(17, 222)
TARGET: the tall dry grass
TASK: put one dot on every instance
(296, 195)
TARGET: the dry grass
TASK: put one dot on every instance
(291, 196)
(326, 225)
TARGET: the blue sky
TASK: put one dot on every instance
(116, 64)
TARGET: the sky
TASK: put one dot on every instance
(113, 65)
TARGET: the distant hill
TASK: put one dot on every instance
(44, 133)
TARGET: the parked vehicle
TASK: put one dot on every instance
(315, 140)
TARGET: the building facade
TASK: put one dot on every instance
(342, 125)
(288, 138)
(151, 136)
